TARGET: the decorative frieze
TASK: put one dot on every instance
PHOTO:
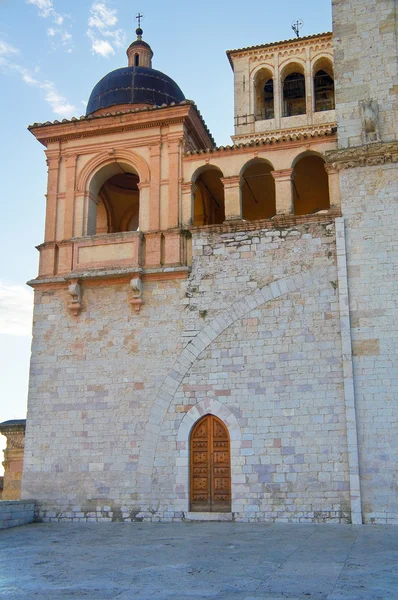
(368, 155)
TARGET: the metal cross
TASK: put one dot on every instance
(139, 17)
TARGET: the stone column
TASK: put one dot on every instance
(334, 186)
(277, 92)
(13, 458)
(284, 191)
(232, 198)
(308, 88)
(187, 209)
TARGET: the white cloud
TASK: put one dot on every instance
(16, 309)
(7, 49)
(102, 29)
(59, 104)
(102, 47)
(46, 9)
(59, 35)
(102, 17)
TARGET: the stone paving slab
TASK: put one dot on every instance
(183, 561)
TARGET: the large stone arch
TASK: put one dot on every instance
(108, 157)
(188, 356)
(209, 406)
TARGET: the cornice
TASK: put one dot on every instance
(276, 222)
(321, 129)
(97, 276)
(369, 155)
(122, 120)
(273, 141)
(296, 43)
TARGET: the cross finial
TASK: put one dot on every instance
(139, 17)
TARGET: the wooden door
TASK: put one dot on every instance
(210, 466)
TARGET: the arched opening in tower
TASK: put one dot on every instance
(258, 191)
(323, 90)
(264, 95)
(294, 95)
(208, 202)
(119, 204)
(310, 186)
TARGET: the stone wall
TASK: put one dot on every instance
(366, 71)
(365, 54)
(253, 335)
(370, 201)
(16, 512)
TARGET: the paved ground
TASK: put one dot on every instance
(184, 561)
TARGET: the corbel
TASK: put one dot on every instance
(136, 294)
(75, 291)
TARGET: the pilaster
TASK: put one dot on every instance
(283, 191)
(232, 198)
(174, 182)
(53, 162)
(154, 197)
(334, 186)
(70, 161)
(187, 195)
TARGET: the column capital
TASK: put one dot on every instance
(283, 175)
(330, 169)
(233, 181)
(188, 186)
(143, 184)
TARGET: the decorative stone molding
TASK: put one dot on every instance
(370, 119)
(75, 291)
(136, 296)
(368, 155)
(16, 439)
(13, 457)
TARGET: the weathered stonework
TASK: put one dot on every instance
(255, 330)
(13, 458)
(283, 327)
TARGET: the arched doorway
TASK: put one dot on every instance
(210, 466)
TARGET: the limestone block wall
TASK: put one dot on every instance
(253, 336)
(91, 384)
(365, 36)
(366, 68)
(370, 201)
(16, 512)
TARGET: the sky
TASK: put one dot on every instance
(52, 53)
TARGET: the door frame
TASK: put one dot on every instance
(181, 482)
(191, 475)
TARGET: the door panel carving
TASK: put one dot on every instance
(210, 466)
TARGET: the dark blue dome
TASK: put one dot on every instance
(134, 85)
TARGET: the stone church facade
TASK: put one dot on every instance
(215, 327)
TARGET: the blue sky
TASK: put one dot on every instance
(52, 53)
